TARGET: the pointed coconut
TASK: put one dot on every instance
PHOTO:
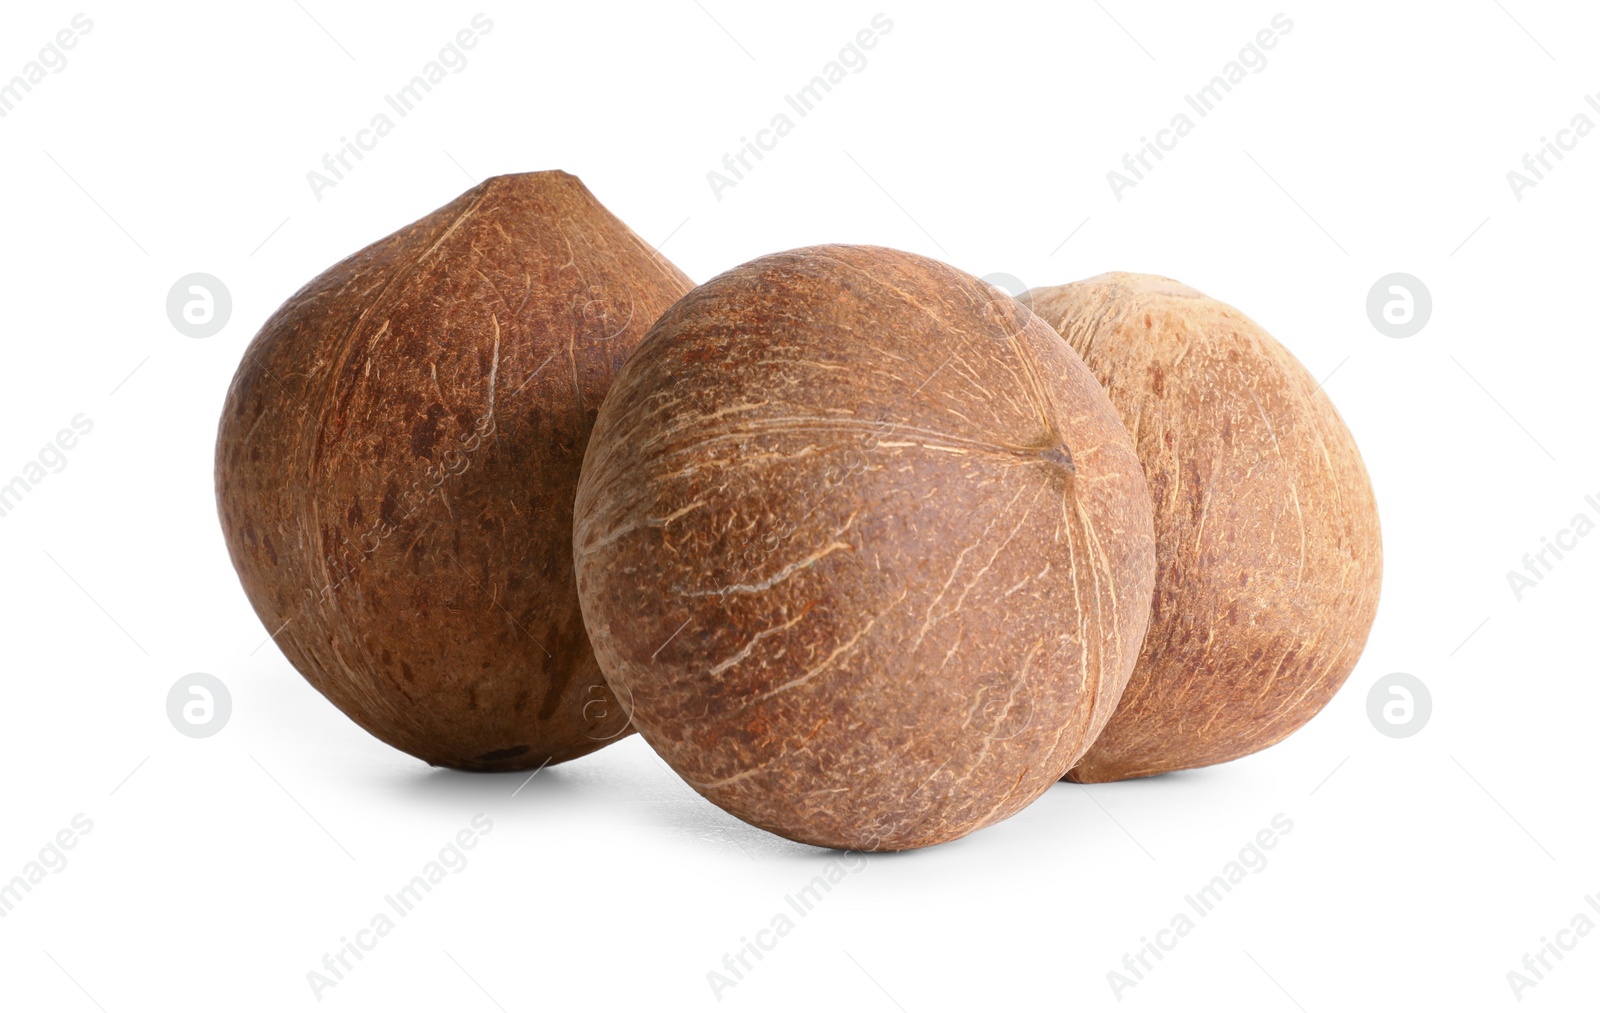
(1268, 549)
(397, 459)
(864, 546)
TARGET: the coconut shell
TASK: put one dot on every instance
(1269, 557)
(397, 459)
(863, 546)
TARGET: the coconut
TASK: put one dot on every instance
(863, 546)
(1269, 557)
(397, 459)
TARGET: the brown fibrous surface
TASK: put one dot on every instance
(397, 459)
(1269, 555)
(864, 548)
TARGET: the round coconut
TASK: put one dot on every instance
(397, 459)
(863, 547)
(1268, 550)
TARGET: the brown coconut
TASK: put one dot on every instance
(1268, 551)
(863, 546)
(397, 459)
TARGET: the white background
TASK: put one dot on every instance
(1377, 139)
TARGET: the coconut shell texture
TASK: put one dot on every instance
(863, 546)
(397, 459)
(1268, 548)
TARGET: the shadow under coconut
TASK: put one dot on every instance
(1151, 782)
(597, 775)
(626, 776)
(630, 775)
(447, 786)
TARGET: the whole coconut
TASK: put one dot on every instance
(1268, 551)
(397, 459)
(863, 546)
